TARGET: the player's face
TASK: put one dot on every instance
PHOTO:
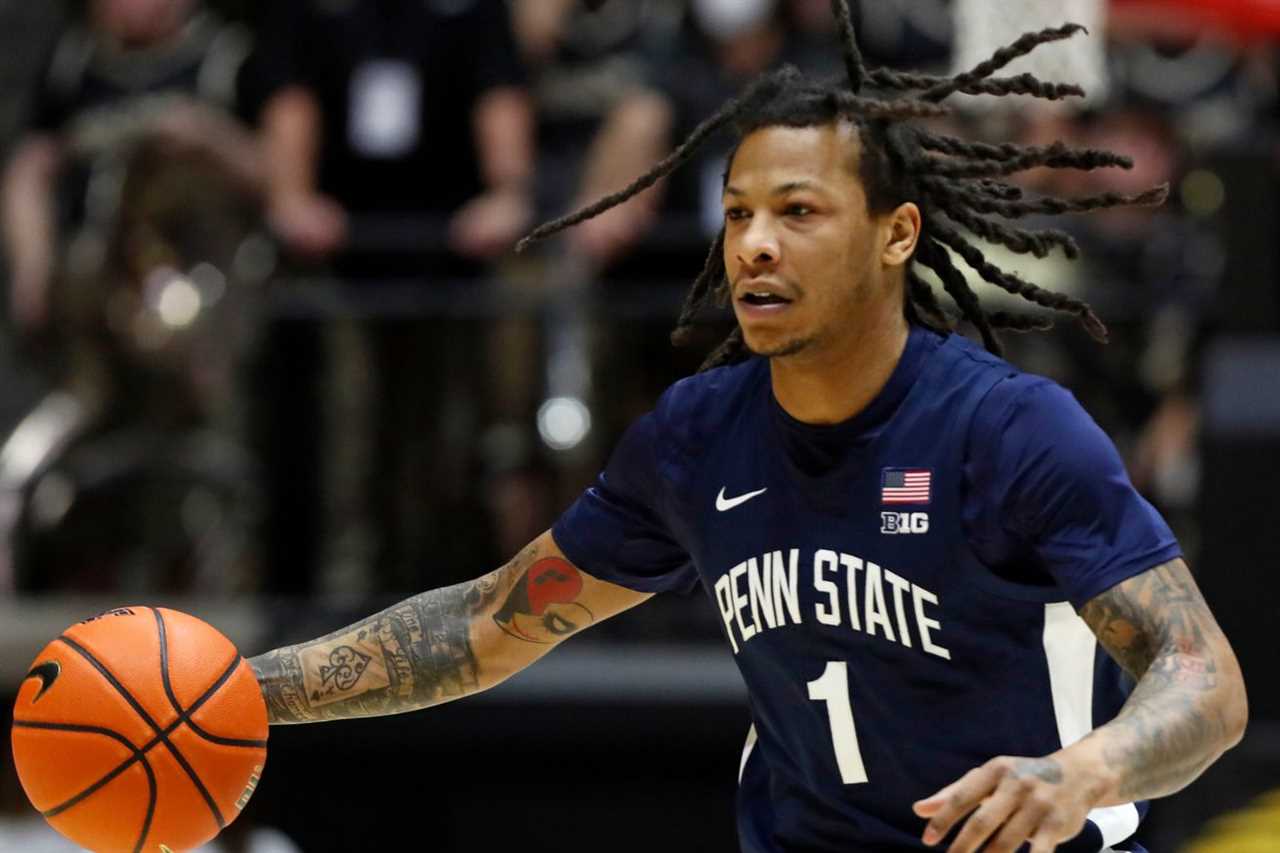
(806, 260)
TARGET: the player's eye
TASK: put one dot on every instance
(798, 209)
(733, 214)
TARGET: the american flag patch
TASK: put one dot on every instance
(905, 485)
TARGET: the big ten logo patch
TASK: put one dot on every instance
(904, 522)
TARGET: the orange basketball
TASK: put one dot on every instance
(140, 729)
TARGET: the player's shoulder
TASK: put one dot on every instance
(1015, 399)
(697, 407)
(1006, 385)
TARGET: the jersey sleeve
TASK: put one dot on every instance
(618, 531)
(1051, 483)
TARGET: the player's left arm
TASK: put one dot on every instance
(1188, 707)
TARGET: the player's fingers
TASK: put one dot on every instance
(1046, 839)
(954, 802)
(935, 802)
(990, 816)
(1021, 825)
(971, 787)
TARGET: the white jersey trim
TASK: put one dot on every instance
(1069, 649)
(1116, 823)
(746, 751)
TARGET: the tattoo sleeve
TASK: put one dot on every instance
(1188, 705)
(423, 651)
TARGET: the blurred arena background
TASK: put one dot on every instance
(267, 357)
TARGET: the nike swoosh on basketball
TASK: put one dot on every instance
(48, 673)
(724, 504)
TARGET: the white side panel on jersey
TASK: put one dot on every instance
(1116, 822)
(1069, 648)
(746, 751)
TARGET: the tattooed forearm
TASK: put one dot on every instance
(423, 651)
(411, 655)
(1188, 705)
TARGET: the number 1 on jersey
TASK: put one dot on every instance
(833, 688)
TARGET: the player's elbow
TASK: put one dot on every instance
(1231, 700)
(1236, 713)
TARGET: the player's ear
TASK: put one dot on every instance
(902, 231)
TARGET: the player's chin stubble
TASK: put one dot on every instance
(778, 350)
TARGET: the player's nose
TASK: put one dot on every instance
(759, 247)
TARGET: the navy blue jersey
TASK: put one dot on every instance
(899, 590)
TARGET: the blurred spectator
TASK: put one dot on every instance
(130, 68)
(396, 107)
(909, 34)
(725, 44)
(127, 203)
(582, 64)
(400, 139)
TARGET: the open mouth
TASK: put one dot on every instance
(764, 299)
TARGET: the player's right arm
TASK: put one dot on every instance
(442, 644)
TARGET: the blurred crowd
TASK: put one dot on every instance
(267, 332)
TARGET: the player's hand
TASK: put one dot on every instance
(1010, 801)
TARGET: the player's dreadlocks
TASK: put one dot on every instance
(956, 183)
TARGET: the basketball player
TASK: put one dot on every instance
(957, 622)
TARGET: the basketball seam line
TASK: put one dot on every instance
(227, 741)
(177, 706)
(162, 736)
(151, 804)
(112, 680)
(164, 661)
(163, 638)
(138, 756)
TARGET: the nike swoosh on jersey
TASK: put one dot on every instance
(723, 504)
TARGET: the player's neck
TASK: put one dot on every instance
(834, 385)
